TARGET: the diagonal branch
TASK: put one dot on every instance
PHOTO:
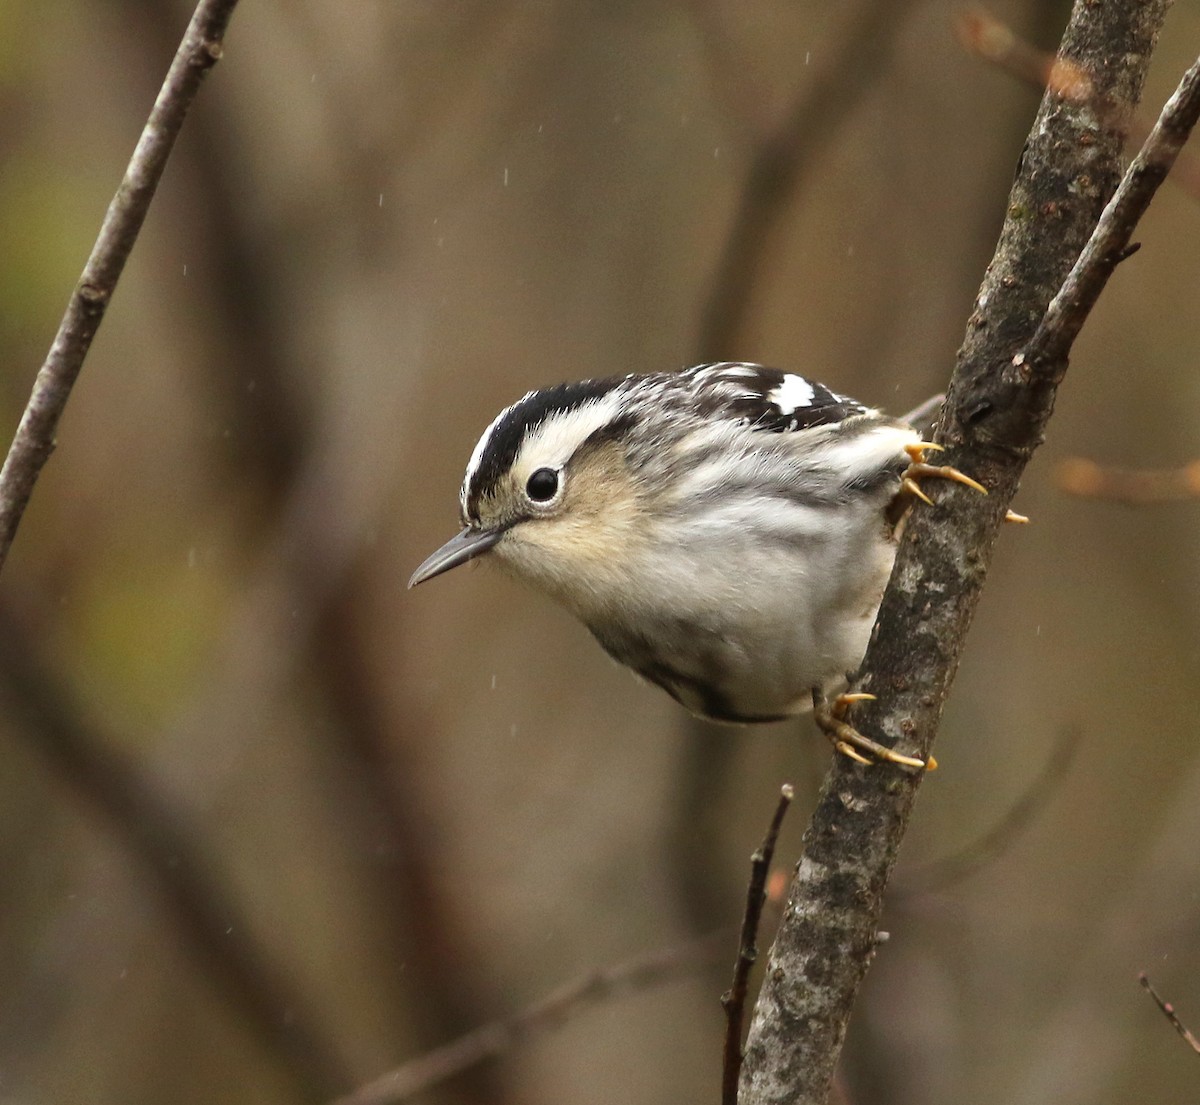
(1168, 1011)
(34, 441)
(1109, 243)
(997, 407)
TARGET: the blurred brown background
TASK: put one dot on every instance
(271, 824)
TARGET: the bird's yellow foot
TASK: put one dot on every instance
(919, 467)
(831, 719)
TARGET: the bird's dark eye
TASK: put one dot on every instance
(542, 486)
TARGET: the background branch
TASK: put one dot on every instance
(34, 440)
(1131, 486)
(996, 411)
(988, 38)
(949, 870)
(495, 1039)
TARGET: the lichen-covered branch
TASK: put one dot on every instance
(34, 440)
(999, 401)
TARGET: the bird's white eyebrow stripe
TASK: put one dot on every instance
(557, 438)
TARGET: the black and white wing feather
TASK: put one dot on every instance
(765, 398)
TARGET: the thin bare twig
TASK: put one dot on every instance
(494, 1039)
(1107, 247)
(1131, 486)
(150, 830)
(734, 1001)
(1163, 148)
(34, 441)
(1169, 1012)
(952, 869)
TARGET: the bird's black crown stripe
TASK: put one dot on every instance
(504, 442)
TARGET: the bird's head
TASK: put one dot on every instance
(548, 492)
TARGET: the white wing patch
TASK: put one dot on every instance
(795, 392)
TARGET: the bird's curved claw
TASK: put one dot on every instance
(919, 468)
(831, 719)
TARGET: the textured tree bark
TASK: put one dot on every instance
(997, 407)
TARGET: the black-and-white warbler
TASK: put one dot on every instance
(727, 531)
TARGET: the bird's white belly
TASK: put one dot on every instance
(747, 638)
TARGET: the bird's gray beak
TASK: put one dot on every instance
(458, 550)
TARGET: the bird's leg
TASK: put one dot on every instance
(919, 467)
(831, 719)
(911, 489)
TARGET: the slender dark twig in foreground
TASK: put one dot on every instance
(1169, 1012)
(734, 1002)
(493, 1040)
(34, 440)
